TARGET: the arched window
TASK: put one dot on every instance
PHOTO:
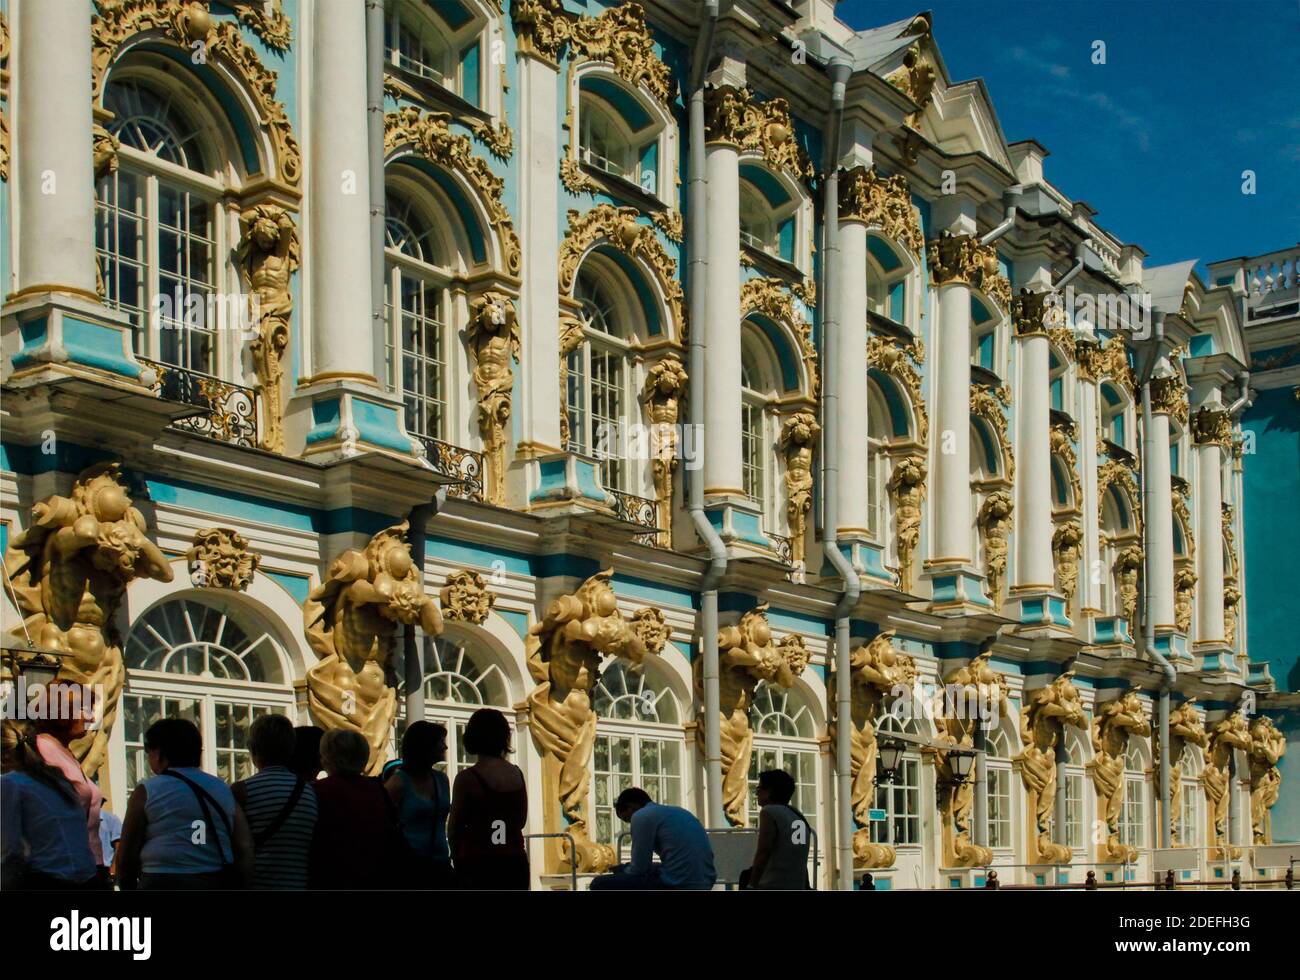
(1114, 415)
(785, 737)
(1133, 829)
(757, 442)
(878, 468)
(601, 395)
(887, 281)
(416, 301)
(605, 142)
(985, 339)
(207, 660)
(458, 680)
(157, 238)
(440, 42)
(1118, 531)
(1190, 809)
(769, 215)
(639, 742)
(997, 747)
(1058, 369)
(899, 799)
(1073, 776)
(1176, 436)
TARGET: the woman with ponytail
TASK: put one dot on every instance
(44, 845)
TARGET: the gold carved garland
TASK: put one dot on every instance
(770, 298)
(116, 21)
(621, 229)
(430, 137)
(883, 203)
(1110, 359)
(732, 115)
(1113, 471)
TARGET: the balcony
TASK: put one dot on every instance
(1268, 284)
(228, 412)
(782, 547)
(465, 466)
(641, 511)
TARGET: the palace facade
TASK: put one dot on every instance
(698, 356)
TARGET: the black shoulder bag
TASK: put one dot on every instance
(228, 876)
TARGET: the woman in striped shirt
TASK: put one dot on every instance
(280, 807)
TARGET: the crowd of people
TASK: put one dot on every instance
(312, 819)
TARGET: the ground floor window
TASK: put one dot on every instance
(1132, 817)
(1073, 809)
(900, 804)
(999, 807)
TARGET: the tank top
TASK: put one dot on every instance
(424, 821)
(787, 865)
(486, 812)
(173, 816)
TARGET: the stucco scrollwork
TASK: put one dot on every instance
(770, 298)
(899, 361)
(732, 115)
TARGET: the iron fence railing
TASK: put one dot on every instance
(458, 463)
(229, 410)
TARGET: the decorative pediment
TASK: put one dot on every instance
(185, 25)
(881, 203)
(620, 229)
(732, 115)
(429, 136)
(771, 298)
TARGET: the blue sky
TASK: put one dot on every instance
(1193, 92)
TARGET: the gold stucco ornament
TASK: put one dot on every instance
(907, 487)
(995, 528)
(1184, 592)
(876, 671)
(352, 621)
(493, 340)
(220, 559)
(746, 655)
(1128, 566)
(1113, 724)
(1267, 746)
(665, 387)
(1042, 729)
(564, 652)
(268, 255)
(466, 599)
(69, 570)
(1228, 735)
(1185, 728)
(799, 437)
(974, 695)
(1067, 545)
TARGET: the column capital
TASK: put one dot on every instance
(1036, 313)
(541, 28)
(962, 260)
(1212, 427)
(883, 203)
(1169, 397)
(732, 116)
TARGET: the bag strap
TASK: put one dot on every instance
(204, 798)
(273, 828)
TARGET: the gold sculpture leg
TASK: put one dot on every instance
(359, 701)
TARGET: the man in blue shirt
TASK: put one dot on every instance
(685, 855)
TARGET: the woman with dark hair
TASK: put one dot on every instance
(781, 853)
(305, 760)
(44, 845)
(489, 806)
(66, 716)
(280, 806)
(162, 846)
(423, 800)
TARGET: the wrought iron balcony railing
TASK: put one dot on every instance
(635, 510)
(457, 463)
(783, 546)
(229, 410)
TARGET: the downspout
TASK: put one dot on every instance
(1009, 219)
(1245, 399)
(375, 145)
(839, 71)
(1075, 269)
(1148, 621)
(697, 281)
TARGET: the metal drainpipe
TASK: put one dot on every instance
(1148, 623)
(839, 71)
(697, 280)
(375, 145)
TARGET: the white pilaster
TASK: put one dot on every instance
(539, 397)
(1089, 583)
(852, 377)
(1160, 529)
(951, 540)
(1209, 543)
(722, 457)
(339, 253)
(55, 178)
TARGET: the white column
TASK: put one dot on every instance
(852, 377)
(339, 250)
(950, 513)
(1034, 567)
(722, 456)
(1160, 518)
(1209, 543)
(52, 146)
(1089, 584)
(539, 398)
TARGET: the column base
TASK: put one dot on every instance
(1040, 611)
(47, 335)
(739, 522)
(1172, 645)
(338, 419)
(1216, 658)
(957, 588)
(1112, 633)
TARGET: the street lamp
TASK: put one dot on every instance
(891, 756)
(961, 763)
(37, 667)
